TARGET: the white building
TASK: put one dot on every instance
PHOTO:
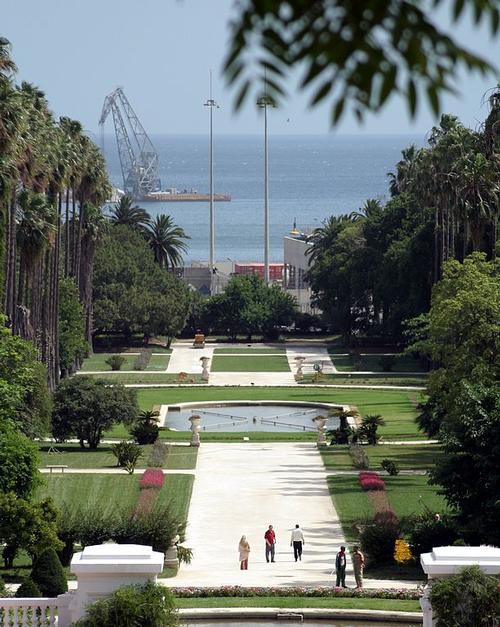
(296, 264)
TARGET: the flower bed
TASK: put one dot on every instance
(371, 481)
(296, 591)
(152, 478)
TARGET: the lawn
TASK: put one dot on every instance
(301, 602)
(375, 379)
(97, 362)
(249, 351)
(72, 455)
(235, 363)
(407, 495)
(109, 492)
(396, 406)
(147, 378)
(158, 362)
(371, 362)
(408, 457)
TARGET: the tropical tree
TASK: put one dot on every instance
(167, 241)
(125, 212)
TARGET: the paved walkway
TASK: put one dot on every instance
(241, 489)
(312, 354)
(185, 358)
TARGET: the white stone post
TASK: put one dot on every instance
(102, 569)
(320, 422)
(445, 561)
(299, 361)
(195, 430)
(204, 365)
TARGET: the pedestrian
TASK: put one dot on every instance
(340, 564)
(244, 549)
(358, 562)
(297, 540)
(270, 538)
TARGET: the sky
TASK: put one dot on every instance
(161, 52)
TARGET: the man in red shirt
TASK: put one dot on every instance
(270, 538)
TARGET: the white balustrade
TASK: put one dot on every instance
(36, 612)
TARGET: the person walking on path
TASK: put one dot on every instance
(244, 549)
(340, 564)
(297, 540)
(358, 562)
(270, 538)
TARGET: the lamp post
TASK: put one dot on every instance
(210, 103)
(263, 103)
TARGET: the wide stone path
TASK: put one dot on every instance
(241, 489)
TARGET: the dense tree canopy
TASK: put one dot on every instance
(132, 293)
(248, 306)
(18, 463)
(85, 407)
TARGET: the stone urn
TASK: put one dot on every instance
(204, 365)
(299, 361)
(320, 422)
(171, 559)
(195, 430)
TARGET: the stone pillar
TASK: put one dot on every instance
(171, 559)
(299, 361)
(195, 430)
(102, 569)
(320, 422)
(204, 365)
(445, 561)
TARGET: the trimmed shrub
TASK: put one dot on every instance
(378, 538)
(371, 481)
(359, 457)
(28, 589)
(48, 574)
(115, 362)
(158, 455)
(369, 427)
(426, 532)
(127, 455)
(156, 528)
(94, 526)
(390, 467)
(387, 362)
(341, 435)
(146, 429)
(152, 478)
(151, 605)
(469, 598)
(143, 359)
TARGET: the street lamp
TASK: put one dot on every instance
(210, 103)
(263, 103)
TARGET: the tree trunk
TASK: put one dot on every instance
(66, 235)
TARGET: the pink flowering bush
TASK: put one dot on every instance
(152, 478)
(370, 480)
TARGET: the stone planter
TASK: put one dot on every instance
(320, 422)
(204, 365)
(195, 430)
(299, 361)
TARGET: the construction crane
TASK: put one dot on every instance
(138, 157)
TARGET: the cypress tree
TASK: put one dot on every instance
(48, 574)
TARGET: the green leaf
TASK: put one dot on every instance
(337, 112)
(242, 94)
(433, 98)
(457, 9)
(411, 96)
(322, 92)
(388, 85)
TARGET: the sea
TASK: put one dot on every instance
(310, 179)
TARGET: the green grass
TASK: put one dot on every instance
(368, 379)
(176, 492)
(97, 362)
(234, 363)
(107, 492)
(301, 602)
(407, 456)
(179, 457)
(158, 362)
(248, 351)
(345, 363)
(141, 378)
(407, 495)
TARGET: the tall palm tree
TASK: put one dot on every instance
(166, 241)
(124, 212)
(7, 65)
(369, 209)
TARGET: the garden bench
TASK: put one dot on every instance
(60, 467)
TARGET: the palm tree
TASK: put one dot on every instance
(368, 210)
(124, 212)
(166, 241)
(7, 65)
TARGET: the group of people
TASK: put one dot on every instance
(297, 542)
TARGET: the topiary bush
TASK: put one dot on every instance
(390, 467)
(151, 605)
(378, 538)
(115, 362)
(28, 590)
(48, 574)
(143, 359)
(158, 455)
(469, 598)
